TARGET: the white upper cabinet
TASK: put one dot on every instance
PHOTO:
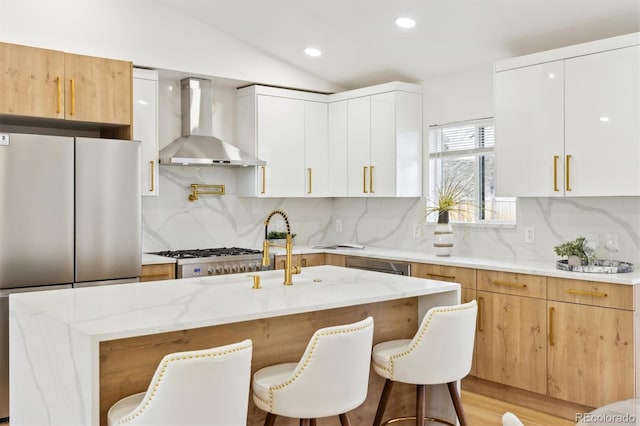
(145, 126)
(384, 145)
(602, 123)
(567, 121)
(366, 142)
(529, 120)
(288, 130)
(338, 149)
(316, 149)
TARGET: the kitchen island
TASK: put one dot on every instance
(75, 352)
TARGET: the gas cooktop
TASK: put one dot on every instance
(208, 252)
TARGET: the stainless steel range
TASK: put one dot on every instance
(214, 261)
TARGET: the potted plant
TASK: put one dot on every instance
(573, 251)
(452, 197)
(278, 237)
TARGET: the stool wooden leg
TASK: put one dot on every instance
(270, 419)
(345, 420)
(457, 402)
(305, 422)
(421, 399)
(384, 398)
(313, 422)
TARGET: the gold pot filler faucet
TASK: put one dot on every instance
(289, 269)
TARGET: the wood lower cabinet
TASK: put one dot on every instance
(511, 341)
(466, 277)
(511, 335)
(591, 341)
(334, 259)
(157, 272)
(304, 260)
(48, 84)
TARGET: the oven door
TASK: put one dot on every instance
(378, 265)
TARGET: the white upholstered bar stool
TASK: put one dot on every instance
(204, 387)
(330, 379)
(440, 352)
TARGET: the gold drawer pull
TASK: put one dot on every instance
(480, 306)
(448, 277)
(371, 180)
(364, 179)
(566, 167)
(508, 284)
(555, 173)
(310, 182)
(551, 339)
(586, 293)
(264, 179)
(153, 176)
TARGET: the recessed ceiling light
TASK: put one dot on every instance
(312, 51)
(405, 22)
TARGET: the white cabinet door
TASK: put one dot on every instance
(529, 117)
(602, 130)
(408, 145)
(145, 126)
(338, 150)
(382, 172)
(359, 146)
(281, 133)
(316, 151)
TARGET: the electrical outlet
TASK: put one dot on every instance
(338, 225)
(417, 230)
(529, 234)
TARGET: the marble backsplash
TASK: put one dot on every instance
(170, 221)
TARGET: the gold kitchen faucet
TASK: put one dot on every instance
(289, 268)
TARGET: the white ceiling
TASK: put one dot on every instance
(362, 46)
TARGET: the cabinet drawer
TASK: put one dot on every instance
(163, 271)
(465, 276)
(590, 293)
(510, 283)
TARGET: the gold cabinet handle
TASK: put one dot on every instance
(371, 179)
(508, 284)
(72, 84)
(264, 179)
(586, 293)
(364, 179)
(480, 306)
(551, 339)
(447, 277)
(310, 184)
(555, 173)
(59, 104)
(566, 167)
(303, 262)
(283, 262)
(152, 187)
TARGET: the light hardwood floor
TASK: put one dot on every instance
(484, 411)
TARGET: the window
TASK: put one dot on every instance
(465, 152)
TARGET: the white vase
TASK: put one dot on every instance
(443, 236)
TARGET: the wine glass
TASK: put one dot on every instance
(611, 244)
(590, 246)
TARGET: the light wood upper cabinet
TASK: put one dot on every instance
(98, 90)
(44, 83)
(32, 81)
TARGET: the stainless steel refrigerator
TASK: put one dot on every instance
(69, 217)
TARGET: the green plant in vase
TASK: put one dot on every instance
(573, 250)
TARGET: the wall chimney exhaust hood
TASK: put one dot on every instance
(197, 146)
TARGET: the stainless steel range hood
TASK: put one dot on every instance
(197, 146)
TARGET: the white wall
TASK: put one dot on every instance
(148, 34)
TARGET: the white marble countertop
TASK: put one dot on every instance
(55, 336)
(154, 259)
(547, 268)
(127, 310)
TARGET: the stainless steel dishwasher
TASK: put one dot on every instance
(378, 265)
